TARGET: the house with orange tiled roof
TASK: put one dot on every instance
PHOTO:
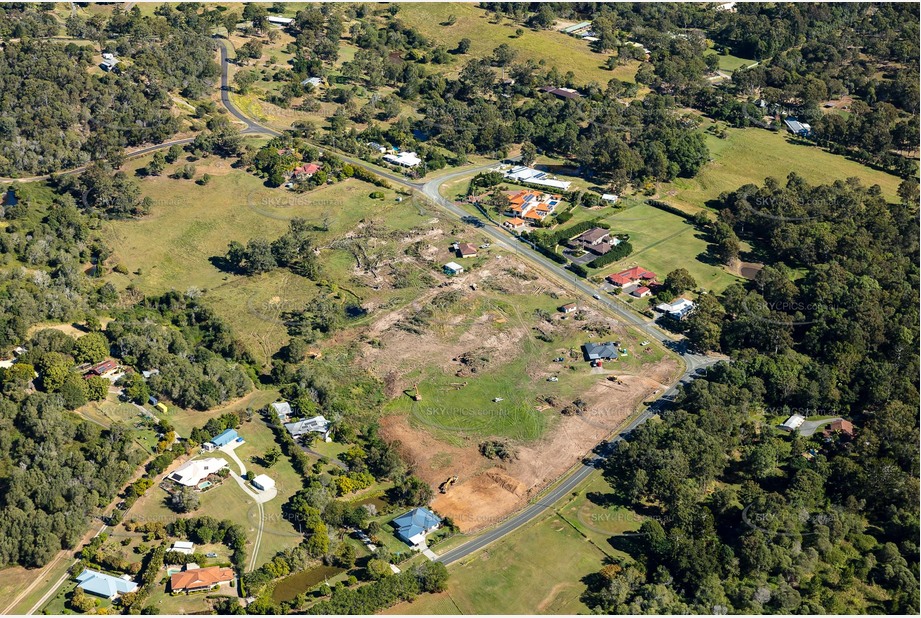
(516, 224)
(531, 205)
(192, 580)
(631, 276)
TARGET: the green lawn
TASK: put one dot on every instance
(663, 242)
(750, 155)
(728, 62)
(536, 569)
(550, 46)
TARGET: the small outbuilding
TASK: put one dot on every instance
(793, 423)
(453, 268)
(264, 482)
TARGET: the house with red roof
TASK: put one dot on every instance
(631, 276)
(306, 171)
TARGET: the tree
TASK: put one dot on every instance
(378, 569)
(244, 79)
(173, 154)
(271, 456)
(503, 55)
(433, 577)
(156, 165)
(91, 348)
(97, 388)
(53, 369)
(528, 153)
(81, 601)
(679, 281)
(185, 500)
(135, 388)
(463, 46)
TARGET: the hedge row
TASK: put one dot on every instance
(669, 208)
(619, 252)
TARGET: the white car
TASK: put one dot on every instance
(596, 296)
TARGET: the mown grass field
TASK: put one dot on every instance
(728, 62)
(550, 46)
(750, 155)
(663, 242)
(535, 570)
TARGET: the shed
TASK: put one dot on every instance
(453, 268)
(264, 482)
(793, 423)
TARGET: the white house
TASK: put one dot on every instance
(793, 423)
(197, 470)
(281, 21)
(678, 309)
(316, 424)
(609, 197)
(282, 410)
(312, 81)
(405, 159)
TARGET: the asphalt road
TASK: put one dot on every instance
(432, 193)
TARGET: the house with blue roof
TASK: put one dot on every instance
(412, 527)
(226, 437)
(104, 585)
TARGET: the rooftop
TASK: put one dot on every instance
(103, 584)
(200, 578)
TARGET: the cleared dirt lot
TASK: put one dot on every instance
(500, 317)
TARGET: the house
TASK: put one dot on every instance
(678, 309)
(306, 170)
(282, 410)
(466, 249)
(100, 369)
(562, 93)
(516, 224)
(183, 547)
(797, 128)
(841, 427)
(316, 82)
(453, 268)
(600, 351)
(104, 585)
(569, 308)
(531, 205)
(793, 423)
(108, 62)
(529, 175)
(609, 197)
(228, 436)
(631, 276)
(197, 470)
(149, 373)
(316, 424)
(192, 580)
(377, 147)
(597, 240)
(281, 21)
(412, 527)
(404, 159)
(591, 237)
(641, 292)
(263, 482)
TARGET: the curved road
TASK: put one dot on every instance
(432, 192)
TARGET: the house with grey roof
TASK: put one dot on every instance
(601, 351)
(282, 410)
(317, 424)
